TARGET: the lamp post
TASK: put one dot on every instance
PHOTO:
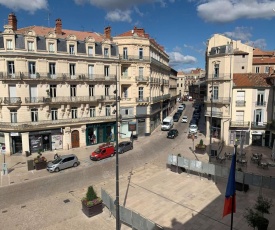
(211, 117)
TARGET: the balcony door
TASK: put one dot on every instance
(12, 91)
(258, 116)
(240, 97)
(240, 117)
(260, 97)
(33, 93)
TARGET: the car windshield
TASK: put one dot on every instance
(120, 144)
(97, 150)
(193, 126)
(56, 161)
(184, 117)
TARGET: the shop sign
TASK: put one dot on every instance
(132, 126)
(14, 134)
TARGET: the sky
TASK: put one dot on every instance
(182, 27)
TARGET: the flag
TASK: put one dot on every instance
(230, 194)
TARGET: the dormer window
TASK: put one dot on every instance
(71, 49)
(106, 52)
(217, 50)
(9, 45)
(30, 46)
(51, 47)
(90, 51)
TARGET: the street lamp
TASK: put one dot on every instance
(211, 117)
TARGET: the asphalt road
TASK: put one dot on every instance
(153, 149)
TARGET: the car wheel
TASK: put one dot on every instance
(132, 147)
(112, 154)
(75, 164)
(57, 169)
(122, 151)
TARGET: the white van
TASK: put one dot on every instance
(167, 123)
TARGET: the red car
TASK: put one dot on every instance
(103, 151)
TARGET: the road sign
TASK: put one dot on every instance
(3, 150)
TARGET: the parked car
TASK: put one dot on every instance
(193, 128)
(63, 162)
(180, 112)
(184, 119)
(103, 151)
(124, 146)
(196, 116)
(176, 117)
(194, 121)
(172, 133)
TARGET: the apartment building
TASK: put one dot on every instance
(58, 86)
(144, 82)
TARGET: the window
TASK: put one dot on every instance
(215, 93)
(34, 115)
(140, 72)
(90, 51)
(240, 116)
(106, 52)
(107, 90)
(257, 69)
(243, 55)
(125, 71)
(140, 53)
(9, 45)
(108, 110)
(260, 97)
(54, 114)
(71, 49)
(52, 90)
(30, 46)
(11, 68)
(32, 69)
(216, 70)
(125, 92)
(91, 90)
(73, 90)
(217, 50)
(51, 47)
(258, 115)
(177, 84)
(74, 113)
(90, 71)
(242, 67)
(13, 114)
(106, 70)
(140, 93)
(92, 111)
(125, 53)
(267, 69)
(72, 70)
(52, 69)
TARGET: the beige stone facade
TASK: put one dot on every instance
(58, 86)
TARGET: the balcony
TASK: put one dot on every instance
(218, 77)
(107, 98)
(172, 86)
(142, 79)
(33, 100)
(240, 124)
(52, 123)
(222, 100)
(258, 125)
(214, 114)
(4, 76)
(260, 103)
(142, 99)
(134, 58)
(240, 103)
(12, 100)
(156, 99)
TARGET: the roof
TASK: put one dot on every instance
(43, 31)
(259, 52)
(250, 80)
(266, 60)
(239, 52)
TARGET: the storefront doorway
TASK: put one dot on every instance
(16, 142)
(75, 139)
(257, 139)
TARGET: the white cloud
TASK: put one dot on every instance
(119, 15)
(177, 49)
(201, 51)
(187, 70)
(176, 58)
(28, 5)
(240, 33)
(115, 8)
(259, 43)
(231, 10)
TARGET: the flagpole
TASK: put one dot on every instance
(233, 198)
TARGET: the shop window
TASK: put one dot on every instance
(34, 115)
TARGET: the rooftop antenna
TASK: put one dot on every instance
(48, 19)
(82, 27)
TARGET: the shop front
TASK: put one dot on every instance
(257, 138)
(46, 140)
(100, 133)
(16, 143)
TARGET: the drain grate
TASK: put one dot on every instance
(4, 211)
(23, 206)
(66, 201)
(11, 182)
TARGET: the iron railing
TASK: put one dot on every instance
(224, 100)
(12, 100)
(240, 103)
(142, 99)
(239, 123)
(258, 125)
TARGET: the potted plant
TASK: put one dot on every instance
(201, 146)
(91, 203)
(40, 162)
(255, 216)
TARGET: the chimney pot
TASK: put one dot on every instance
(12, 21)
(58, 26)
(107, 32)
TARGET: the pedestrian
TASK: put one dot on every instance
(56, 155)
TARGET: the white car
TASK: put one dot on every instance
(184, 119)
(193, 128)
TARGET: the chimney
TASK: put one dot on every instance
(107, 32)
(58, 26)
(12, 21)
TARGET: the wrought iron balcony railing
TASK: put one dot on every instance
(258, 125)
(142, 99)
(12, 100)
(134, 58)
(142, 79)
(239, 123)
(260, 103)
(219, 77)
(214, 114)
(223, 100)
(240, 103)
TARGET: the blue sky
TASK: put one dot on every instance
(181, 26)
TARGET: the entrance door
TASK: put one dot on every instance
(75, 139)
